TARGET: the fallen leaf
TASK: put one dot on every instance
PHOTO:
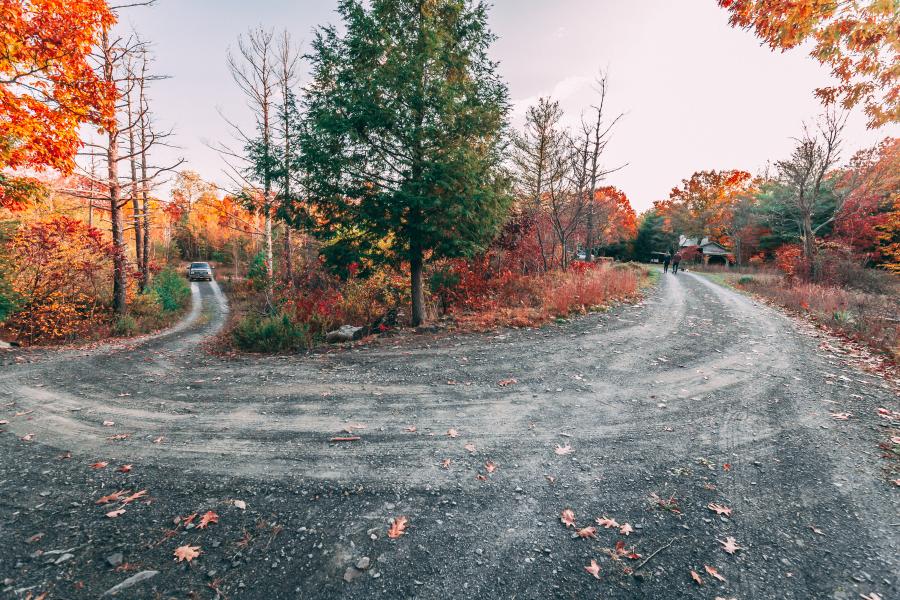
(470, 447)
(398, 527)
(411, 429)
(568, 517)
(115, 513)
(65, 456)
(551, 479)
(186, 553)
(445, 464)
(841, 416)
(730, 545)
(240, 504)
(563, 450)
(118, 437)
(100, 465)
(626, 529)
(696, 577)
(714, 572)
(480, 477)
(350, 428)
(35, 538)
(158, 440)
(816, 530)
(606, 522)
(114, 497)
(351, 438)
(490, 467)
(27, 437)
(108, 423)
(587, 532)
(719, 509)
(207, 518)
(134, 496)
(452, 433)
(726, 467)
(872, 596)
(620, 550)
(506, 382)
(593, 569)
(4, 422)
(124, 469)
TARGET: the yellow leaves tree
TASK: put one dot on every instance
(858, 39)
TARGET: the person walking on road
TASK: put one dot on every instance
(666, 260)
(676, 260)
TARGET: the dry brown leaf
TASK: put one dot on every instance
(411, 429)
(626, 529)
(452, 433)
(726, 467)
(134, 496)
(108, 423)
(696, 577)
(606, 522)
(186, 553)
(124, 469)
(470, 447)
(114, 497)
(480, 477)
(563, 450)
(719, 509)
(158, 440)
(445, 464)
(398, 527)
(568, 517)
(207, 518)
(714, 572)
(119, 437)
(28, 437)
(115, 513)
(100, 465)
(841, 416)
(240, 504)
(587, 532)
(871, 596)
(730, 545)
(490, 467)
(507, 382)
(593, 569)
(350, 438)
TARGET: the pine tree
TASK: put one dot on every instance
(403, 132)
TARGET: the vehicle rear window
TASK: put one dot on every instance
(199, 266)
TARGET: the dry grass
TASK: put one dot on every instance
(534, 300)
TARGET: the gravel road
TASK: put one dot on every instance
(698, 395)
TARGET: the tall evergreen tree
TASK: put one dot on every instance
(403, 137)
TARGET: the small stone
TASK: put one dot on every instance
(115, 559)
(363, 563)
(351, 573)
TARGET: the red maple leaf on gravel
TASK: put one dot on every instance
(593, 569)
(730, 545)
(568, 517)
(587, 532)
(207, 518)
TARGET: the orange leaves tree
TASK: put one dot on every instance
(47, 86)
(62, 266)
(857, 39)
(702, 205)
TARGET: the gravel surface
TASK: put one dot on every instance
(698, 395)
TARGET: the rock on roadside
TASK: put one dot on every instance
(346, 333)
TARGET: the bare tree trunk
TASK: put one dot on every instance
(135, 201)
(418, 292)
(120, 260)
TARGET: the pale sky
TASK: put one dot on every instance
(698, 94)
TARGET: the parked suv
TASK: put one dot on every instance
(200, 271)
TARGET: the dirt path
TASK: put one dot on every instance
(653, 398)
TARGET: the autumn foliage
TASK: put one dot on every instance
(62, 267)
(858, 40)
(47, 86)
